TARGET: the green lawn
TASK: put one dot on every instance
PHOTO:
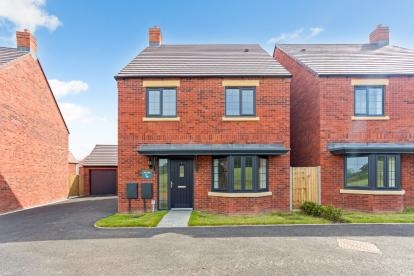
(132, 220)
(207, 219)
(357, 217)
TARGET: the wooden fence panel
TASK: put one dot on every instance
(305, 185)
(73, 185)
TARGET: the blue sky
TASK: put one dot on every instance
(83, 44)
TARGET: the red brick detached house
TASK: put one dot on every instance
(206, 125)
(34, 137)
(352, 110)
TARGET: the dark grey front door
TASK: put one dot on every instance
(181, 183)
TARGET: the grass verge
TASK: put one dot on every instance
(357, 217)
(207, 219)
(132, 220)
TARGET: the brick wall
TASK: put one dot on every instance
(304, 112)
(34, 139)
(332, 102)
(200, 105)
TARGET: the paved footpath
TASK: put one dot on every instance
(60, 240)
(175, 218)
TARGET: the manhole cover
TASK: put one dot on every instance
(358, 246)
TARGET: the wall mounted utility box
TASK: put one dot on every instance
(132, 190)
(146, 190)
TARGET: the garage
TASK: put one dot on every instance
(103, 182)
(98, 172)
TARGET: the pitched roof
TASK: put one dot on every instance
(203, 60)
(72, 159)
(352, 59)
(102, 155)
(10, 54)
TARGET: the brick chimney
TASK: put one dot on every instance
(26, 42)
(380, 36)
(154, 36)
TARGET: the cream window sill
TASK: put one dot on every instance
(240, 119)
(371, 192)
(370, 118)
(223, 194)
(160, 119)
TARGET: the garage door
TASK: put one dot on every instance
(103, 182)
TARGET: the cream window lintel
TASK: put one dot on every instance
(223, 194)
(161, 83)
(371, 192)
(370, 118)
(160, 119)
(229, 83)
(356, 82)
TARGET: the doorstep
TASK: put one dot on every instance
(176, 218)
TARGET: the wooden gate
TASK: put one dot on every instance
(305, 185)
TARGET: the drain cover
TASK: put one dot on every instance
(358, 246)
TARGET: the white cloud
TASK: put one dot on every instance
(74, 112)
(315, 31)
(297, 35)
(63, 88)
(286, 36)
(28, 14)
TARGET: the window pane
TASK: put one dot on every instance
(391, 171)
(237, 173)
(220, 174)
(169, 102)
(154, 102)
(357, 171)
(262, 173)
(380, 171)
(232, 102)
(163, 183)
(360, 101)
(181, 170)
(375, 101)
(247, 102)
(248, 173)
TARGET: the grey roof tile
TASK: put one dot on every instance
(10, 54)
(102, 155)
(203, 60)
(352, 59)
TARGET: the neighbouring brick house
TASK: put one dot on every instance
(34, 136)
(207, 125)
(352, 110)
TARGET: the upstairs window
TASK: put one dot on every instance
(369, 101)
(240, 101)
(162, 102)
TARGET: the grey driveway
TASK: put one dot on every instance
(61, 239)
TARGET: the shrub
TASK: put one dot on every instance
(325, 211)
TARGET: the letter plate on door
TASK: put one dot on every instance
(181, 187)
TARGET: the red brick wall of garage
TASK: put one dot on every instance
(34, 139)
(335, 108)
(304, 112)
(85, 174)
(200, 105)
